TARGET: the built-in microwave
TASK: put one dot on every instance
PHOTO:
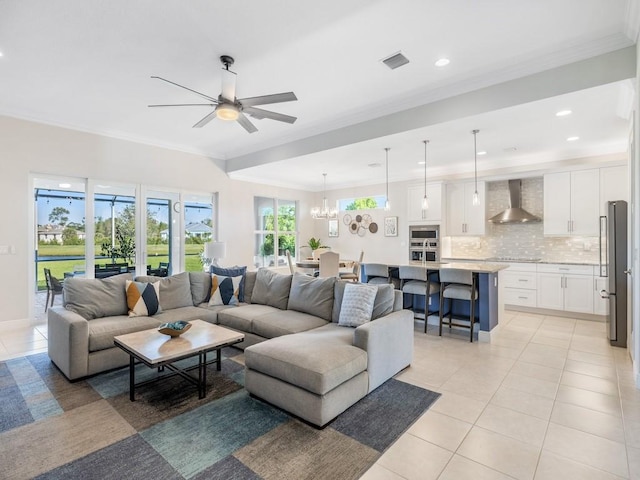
(424, 243)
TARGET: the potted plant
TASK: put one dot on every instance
(314, 243)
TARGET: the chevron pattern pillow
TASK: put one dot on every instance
(143, 299)
(225, 290)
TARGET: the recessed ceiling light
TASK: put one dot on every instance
(0, 54)
(421, 163)
(441, 62)
(563, 113)
(64, 185)
(572, 139)
(482, 153)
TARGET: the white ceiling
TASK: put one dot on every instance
(86, 64)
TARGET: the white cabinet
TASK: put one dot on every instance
(571, 203)
(519, 285)
(565, 287)
(614, 185)
(415, 213)
(600, 305)
(464, 218)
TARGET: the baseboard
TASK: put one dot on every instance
(557, 313)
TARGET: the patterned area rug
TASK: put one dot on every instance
(53, 429)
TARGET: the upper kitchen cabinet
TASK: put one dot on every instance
(433, 214)
(614, 185)
(463, 217)
(571, 203)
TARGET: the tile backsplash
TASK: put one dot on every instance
(523, 240)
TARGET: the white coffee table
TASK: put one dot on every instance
(157, 350)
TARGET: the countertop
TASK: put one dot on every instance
(478, 267)
(518, 260)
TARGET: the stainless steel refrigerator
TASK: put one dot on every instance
(613, 265)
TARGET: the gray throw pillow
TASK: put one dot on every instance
(382, 306)
(249, 283)
(271, 288)
(357, 304)
(97, 297)
(200, 287)
(312, 295)
(175, 291)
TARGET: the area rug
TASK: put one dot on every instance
(53, 429)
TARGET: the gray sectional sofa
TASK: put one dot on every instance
(297, 355)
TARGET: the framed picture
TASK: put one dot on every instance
(390, 226)
(333, 228)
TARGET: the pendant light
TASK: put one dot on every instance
(387, 205)
(425, 199)
(324, 212)
(476, 197)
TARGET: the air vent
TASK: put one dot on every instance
(396, 60)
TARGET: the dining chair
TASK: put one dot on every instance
(354, 274)
(290, 262)
(418, 281)
(319, 251)
(54, 287)
(329, 264)
(458, 284)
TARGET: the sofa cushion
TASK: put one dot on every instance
(231, 272)
(189, 313)
(175, 291)
(271, 288)
(224, 290)
(357, 304)
(96, 297)
(284, 322)
(312, 295)
(102, 330)
(317, 366)
(241, 318)
(200, 287)
(383, 304)
(143, 299)
(249, 283)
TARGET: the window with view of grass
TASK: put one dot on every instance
(275, 231)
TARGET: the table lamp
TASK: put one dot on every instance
(214, 251)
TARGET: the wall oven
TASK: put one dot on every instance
(424, 243)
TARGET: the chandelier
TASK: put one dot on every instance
(324, 212)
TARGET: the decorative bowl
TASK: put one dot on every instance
(174, 329)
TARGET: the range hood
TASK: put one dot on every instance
(515, 213)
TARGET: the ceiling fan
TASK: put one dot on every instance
(228, 107)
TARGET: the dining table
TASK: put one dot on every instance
(314, 263)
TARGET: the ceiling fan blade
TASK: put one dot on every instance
(228, 85)
(260, 114)
(266, 99)
(185, 105)
(246, 123)
(187, 88)
(206, 119)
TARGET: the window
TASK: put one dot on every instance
(199, 229)
(276, 231)
(362, 203)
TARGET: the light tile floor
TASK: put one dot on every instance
(547, 399)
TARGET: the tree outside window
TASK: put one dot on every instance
(276, 231)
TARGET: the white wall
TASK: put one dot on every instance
(28, 148)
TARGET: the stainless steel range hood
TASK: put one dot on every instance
(515, 213)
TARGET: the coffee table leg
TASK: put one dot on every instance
(202, 375)
(132, 379)
(219, 359)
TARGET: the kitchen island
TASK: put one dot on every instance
(488, 307)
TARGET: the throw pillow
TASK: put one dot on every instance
(175, 290)
(383, 305)
(95, 297)
(224, 290)
(357, 304)
(143, 299)
(231, 272)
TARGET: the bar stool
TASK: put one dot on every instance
(418, 281)
(376, 273)
(457, 284)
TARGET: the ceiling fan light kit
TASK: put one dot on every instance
(229, 108)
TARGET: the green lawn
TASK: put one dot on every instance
(156, 254)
